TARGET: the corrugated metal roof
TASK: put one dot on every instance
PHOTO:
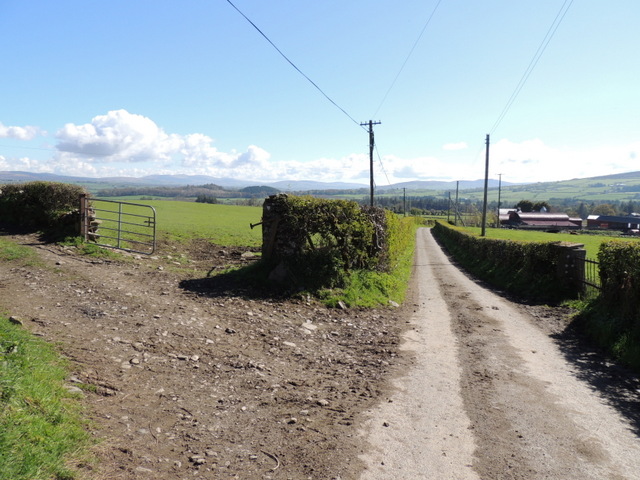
(543, 217)
(615, 218)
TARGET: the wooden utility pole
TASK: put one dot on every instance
(404, 202)
(370, 123)
(486, 188)
(499, 190)
(457, 211)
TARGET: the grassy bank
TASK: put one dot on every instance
(610, 332)
(41, 428)
(372, 288)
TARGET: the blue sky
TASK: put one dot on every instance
(146, 87)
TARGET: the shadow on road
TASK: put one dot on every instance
(617, 385)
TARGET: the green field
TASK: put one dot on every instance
(591, 242)
(620, 187)
(221, 224)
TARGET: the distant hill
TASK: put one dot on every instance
(283, 185)
(621, 187)
(176, 180)
(306, 185)
(616, 187)
(443, 185)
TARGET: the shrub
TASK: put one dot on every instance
(41, 206)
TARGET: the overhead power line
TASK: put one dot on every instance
(375, 145)
(415, 44)
(534, 61)
(291, 63)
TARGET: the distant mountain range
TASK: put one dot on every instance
(617, 187)
(284, 185)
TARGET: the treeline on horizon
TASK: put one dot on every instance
(431, 205)
(414, 205)
(188, 191)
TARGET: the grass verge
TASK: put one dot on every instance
(90, 249)
(42, 432)
(10, 251)
(365, 288)
(620, 338)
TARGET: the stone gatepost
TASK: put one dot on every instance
(571, 269)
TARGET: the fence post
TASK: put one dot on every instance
(84, 221)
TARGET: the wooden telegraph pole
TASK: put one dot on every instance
(486, 188)
(457, 211)
(370, 123)
(499, 190)
(404, 202)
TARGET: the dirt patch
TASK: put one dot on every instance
(184, 380)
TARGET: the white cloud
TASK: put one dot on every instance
(120, 143)
(118, 136)
(419, 168)
(534, 161)
(19, 133)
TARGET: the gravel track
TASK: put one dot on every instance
(497, 393)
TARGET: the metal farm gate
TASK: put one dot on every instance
(591, 282)
(123, 225)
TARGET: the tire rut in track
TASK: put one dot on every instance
(521, 432)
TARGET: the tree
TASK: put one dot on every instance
(604, 209)
(202, 198)
(525, 205)
(538, 206)
(583, 212)
(629, 208)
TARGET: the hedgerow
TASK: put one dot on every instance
(620, 279)
(40, 206)
(529, 269)
(612, 319)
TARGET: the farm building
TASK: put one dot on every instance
(625, 223)
(540, 221)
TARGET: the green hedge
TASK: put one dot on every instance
(612, 319)
(620, 279)
(527, 269)
(41, 206)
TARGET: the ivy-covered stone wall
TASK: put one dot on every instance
(314, 241)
